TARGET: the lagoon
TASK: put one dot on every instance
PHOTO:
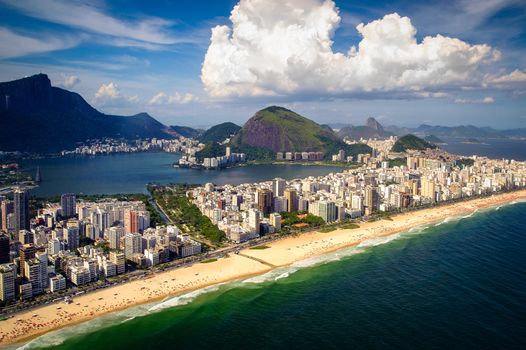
(130, 172)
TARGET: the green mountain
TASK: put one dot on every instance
(219, 133)
(37, 117)
(411, 142)
(277, 129)
(186, 131)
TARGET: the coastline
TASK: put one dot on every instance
(24, 326)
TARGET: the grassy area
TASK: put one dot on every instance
(290, 219)
(350, 226)
(186, 214)
(327, 229)
(260, 247)
(208, 261)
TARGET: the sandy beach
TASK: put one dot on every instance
(29, 324)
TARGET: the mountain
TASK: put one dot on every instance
(278, 129)
(219, 133)
(411, 142)
(374, 124)
(372, 129)
(433, 139)
(186, 131)
(515, 133)
(37, 117)
(461, 131)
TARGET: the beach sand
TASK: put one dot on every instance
(25, 325)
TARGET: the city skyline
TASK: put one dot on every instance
(161, 59)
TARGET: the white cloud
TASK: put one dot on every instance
(517, 76)
(92, 18)
(486, 100)
(70, 80)
(15, 44)
(285, 47)
(431, 94)
(162, 98)
(110, 94)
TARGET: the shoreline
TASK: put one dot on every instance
(284, 252)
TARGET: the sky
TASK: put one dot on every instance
(199, 63)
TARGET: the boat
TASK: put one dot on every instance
(38, 176)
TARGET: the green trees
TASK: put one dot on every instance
(186, 213)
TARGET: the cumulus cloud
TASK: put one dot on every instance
(70, 80)
(110, 94)
(276, 47)
(162, 98)
(486, 100)
(517, 76)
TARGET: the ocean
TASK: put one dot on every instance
(491, 148)
(457, 284)
(130, 172)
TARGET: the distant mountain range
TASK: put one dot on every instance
(37, 117)
(372, 129)
(462, 131)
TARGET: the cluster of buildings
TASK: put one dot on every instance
(299, 156)
(73, 243)
(221, 162)
(109, 145)
(247, 211)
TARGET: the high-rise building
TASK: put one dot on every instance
(27, 252)
(370, 200)
(4, 249)
(254, 220)
(327, 211)
(136, 221)
(43, 259)
(68, 202)
(7, 207)
(280, 204)
(33, 272)
(278, 186)
(25, 237)
(21, 210)
(71, 235)
(428, 189)
(53, 246)
(292, 200)
(115, 234)
(7, 282)
(357, 203)
(132, 244)
(275, 220)
(119, 260)
(264, 200)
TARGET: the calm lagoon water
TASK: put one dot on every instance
(129, 173)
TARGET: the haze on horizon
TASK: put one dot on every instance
(339, 62)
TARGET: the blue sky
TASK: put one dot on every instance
(445, 62)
